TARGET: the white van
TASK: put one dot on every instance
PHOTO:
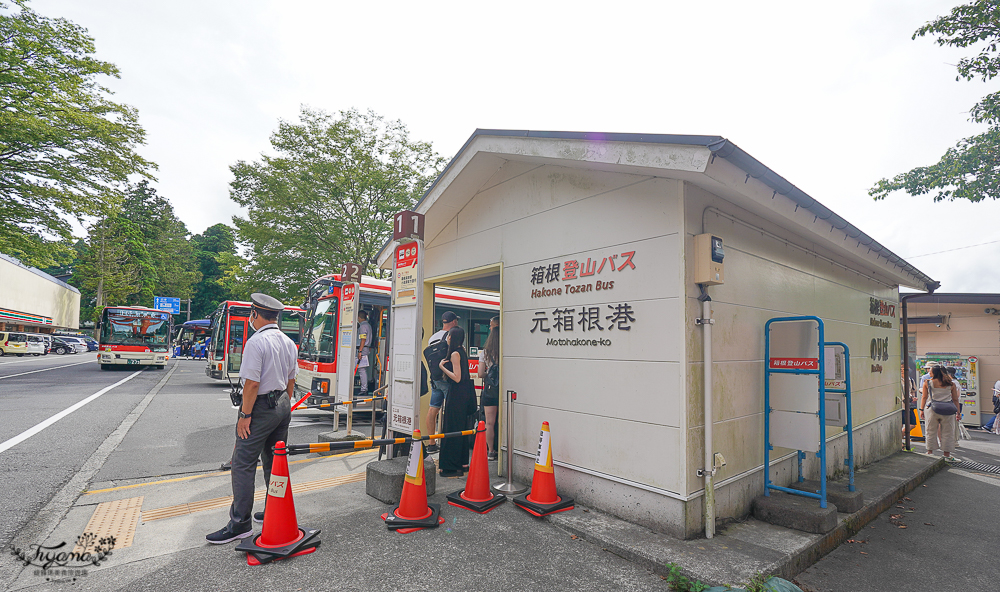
(13, 343)
(38, 345)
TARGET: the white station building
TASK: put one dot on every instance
(590, 241)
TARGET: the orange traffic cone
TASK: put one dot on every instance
(413, 512)
(543, 500)
(281, 536)
(478, 496)
(915, 429)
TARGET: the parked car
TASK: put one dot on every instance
(36, 346)
(91, 342)
(13, 343)
(44, 340)
(78, 342)
(64, 345)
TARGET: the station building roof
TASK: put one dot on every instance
(711, 162)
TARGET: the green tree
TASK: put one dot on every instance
(326, 198)
(971, 169)
(111, 264)
(171, 269)
(209, 247)
(66, 149)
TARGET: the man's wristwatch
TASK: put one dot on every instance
(244, 415)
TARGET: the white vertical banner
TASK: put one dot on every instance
(404, 336)
(347, 359)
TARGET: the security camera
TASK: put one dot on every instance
(938, 325)
(988, 311)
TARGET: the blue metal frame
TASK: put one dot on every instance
(821, 371)
(849, 428)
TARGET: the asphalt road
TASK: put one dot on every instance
(186, 427)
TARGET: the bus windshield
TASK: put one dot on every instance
(123, 326)
(321, 333)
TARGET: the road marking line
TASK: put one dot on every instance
(46, 370)
(224, 473)
(223, 502)
(41, 426)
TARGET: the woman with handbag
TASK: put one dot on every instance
(489, 372)
(459, 404)
(938, 406)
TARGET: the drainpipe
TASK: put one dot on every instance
(706, 323)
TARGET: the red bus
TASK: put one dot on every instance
(134, 336)
(318, 352)
(230, 330)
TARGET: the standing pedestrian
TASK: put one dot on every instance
(439, 383)
(489, 358)
(939, 405)
(364, 349)
(991, 425)
(459, 405)
(268, 377)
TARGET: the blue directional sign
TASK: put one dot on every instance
(171, 305)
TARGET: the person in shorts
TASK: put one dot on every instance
(439, 387)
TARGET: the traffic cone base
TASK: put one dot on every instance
(280, 536)
(409, 530)
(255, 559)
(459, 500)
(266, 554)
(560, 505)
(478, 496)
(395, 522)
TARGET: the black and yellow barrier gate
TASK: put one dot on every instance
(360, 444)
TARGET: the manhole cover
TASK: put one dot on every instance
(980, 467)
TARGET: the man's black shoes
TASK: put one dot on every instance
(258, 517)
(227, 535)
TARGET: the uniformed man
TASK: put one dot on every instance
(268, 377)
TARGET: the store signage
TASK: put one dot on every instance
(794, 363)
(577, 271)
(572, 277)
(881, 308)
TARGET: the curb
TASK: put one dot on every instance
(773, 563)
(798, 562)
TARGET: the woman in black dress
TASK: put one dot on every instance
(458, 405)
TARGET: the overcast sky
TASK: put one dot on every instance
(832, 96)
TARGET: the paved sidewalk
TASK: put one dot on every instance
(942, 538)
(506, 549)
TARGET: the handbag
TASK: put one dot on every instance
(493, 375)
(944, 407)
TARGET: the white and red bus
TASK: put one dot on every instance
(318, 352)
(230, 330)
(134, 336)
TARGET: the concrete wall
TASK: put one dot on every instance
(969, 331)
(616, 411)
(770, 273)
(24, 291)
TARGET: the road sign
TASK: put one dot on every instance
(171, 305)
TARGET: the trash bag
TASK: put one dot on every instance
(776, 584)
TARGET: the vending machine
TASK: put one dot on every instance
(967, 373)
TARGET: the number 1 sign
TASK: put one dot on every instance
(407, 224)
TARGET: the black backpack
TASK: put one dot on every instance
(434, 353)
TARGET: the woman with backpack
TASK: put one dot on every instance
(459, 404)
(939, 405)
(489, 372)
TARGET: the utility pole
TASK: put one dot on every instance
(189, 309)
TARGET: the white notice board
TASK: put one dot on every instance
(404, 337)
